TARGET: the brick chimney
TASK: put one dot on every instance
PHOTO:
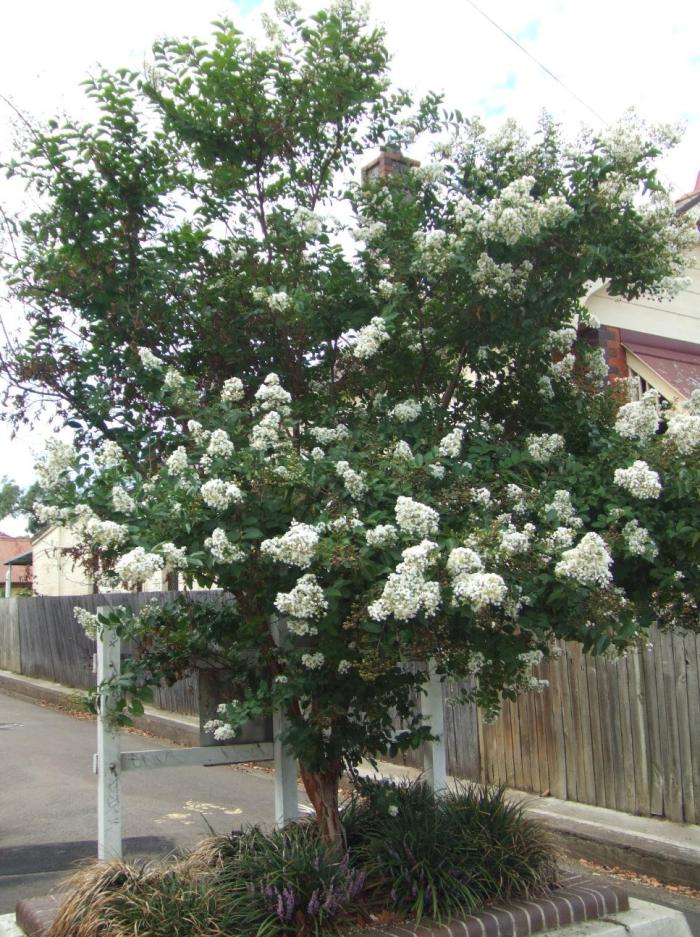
(389, 162)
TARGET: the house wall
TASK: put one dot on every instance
(10, 547)
(55, 572)
(677, 318)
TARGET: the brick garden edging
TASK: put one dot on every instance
(574, 900)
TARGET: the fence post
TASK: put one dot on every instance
(108, 766)
(435, 753)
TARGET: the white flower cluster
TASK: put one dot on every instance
(149, 360)
(105, 534)
(58, 458)
(406, 411)
(48, 513)
(222, 549)
(514, 215)
(233, 390)
(383, 535)
(173, 380)
(313, 661)
(272, 396)
(325, 435)
(597, 366)
(279, 301)
(344, 666)
(219, 494)
(197, 431)
(543, 448)
(297, 547)
(436, 470)
(374, 231)
(307, 222)
(479, 590)
(87, 621)
(683, 432)
(639, 480)
(220, 444)
(588, 562)
(434, 250)
(370, 338)
(402, 452)
(559, 539)
(175, 557)
(268, 433)
(639, 541)
(109, 455)
(301, 628)
(562, 506)
(341, 524)
(512, 541)
(462, 561)
(407, 592)
(451, 445)
(122, 500)
(416, 518)
(136, 566)
(544, 387)
(560, 340)
(640, 418)
(306, 600)
(177, 462)
(501, 280)
(563, 369)
(354, 482)
(221, 731)
(515, 494)
(481, 496)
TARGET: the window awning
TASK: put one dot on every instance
(668, 364)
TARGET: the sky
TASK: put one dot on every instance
(610, 55)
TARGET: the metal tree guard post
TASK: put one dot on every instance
(108, 758)
(435, 752)
(110, 761)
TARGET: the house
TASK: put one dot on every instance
(56, 571)
(13, 557)
(656, 342)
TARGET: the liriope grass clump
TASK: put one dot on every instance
(410, 855)
(447, 855)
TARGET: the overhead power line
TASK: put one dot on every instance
(537, 62)
(556, 78)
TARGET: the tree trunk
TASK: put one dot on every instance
(322, 790)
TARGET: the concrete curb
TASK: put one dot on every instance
(183, 730)
(643, 919)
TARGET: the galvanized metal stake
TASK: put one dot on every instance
(435, 753)
(108, 758)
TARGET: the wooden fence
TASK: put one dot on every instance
(621, 733)
(39, 637)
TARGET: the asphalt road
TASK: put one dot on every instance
(48, 810)
(48, 806)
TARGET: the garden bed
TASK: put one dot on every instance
(413, 863)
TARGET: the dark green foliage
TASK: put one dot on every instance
(445, 856)
(437, 857)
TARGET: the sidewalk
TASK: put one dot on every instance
(665, 850)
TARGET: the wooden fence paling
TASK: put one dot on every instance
(623, 734)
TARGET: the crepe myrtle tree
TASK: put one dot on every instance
(400, 451)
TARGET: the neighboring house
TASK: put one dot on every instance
(57, 573)
(658, 342)
(13, 560)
